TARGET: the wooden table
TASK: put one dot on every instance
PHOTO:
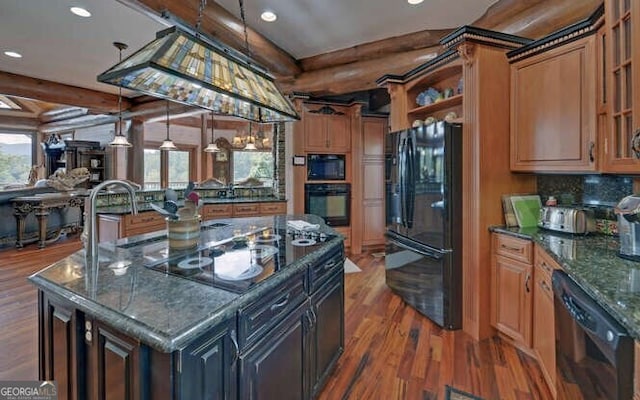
(41, 206)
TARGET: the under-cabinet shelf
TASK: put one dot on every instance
(438, 106)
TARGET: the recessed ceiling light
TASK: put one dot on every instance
(414, 2)
(81, 12)
(13, 54)
(268, 16)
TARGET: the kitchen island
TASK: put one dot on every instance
(255, 311)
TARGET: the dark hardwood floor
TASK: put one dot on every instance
(391, 352)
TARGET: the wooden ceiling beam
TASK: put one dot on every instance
(377, 49)
(53, 92)
(356, 76)
(9, 122)
(540, 19)
(223, 26)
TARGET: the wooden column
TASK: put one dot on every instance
(356, 179)
(135, 154)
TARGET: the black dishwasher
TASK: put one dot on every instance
(593, 351)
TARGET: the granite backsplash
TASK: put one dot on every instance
(598, 192)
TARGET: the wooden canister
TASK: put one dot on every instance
(183, 233)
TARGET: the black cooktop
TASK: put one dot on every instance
(239, 263)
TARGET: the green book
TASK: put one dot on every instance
(527, 210)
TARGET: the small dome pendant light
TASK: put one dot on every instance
(251, 145)
(212, 147)
(168, 144)
(119, 139)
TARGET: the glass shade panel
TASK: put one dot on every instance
(181, 67)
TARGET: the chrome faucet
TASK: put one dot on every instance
(90, 236)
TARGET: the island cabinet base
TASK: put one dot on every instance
(301, 336)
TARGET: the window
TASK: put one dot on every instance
(256, 165)
(152, 169)
(178, 169)
(17, 156)
(168, 169)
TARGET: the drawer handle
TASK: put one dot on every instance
(546, 267)
(280, 304)
(510, 248)
(545, 286)
(236, 349)
(329, 265)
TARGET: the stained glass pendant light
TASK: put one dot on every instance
(168, 144)
(212, 147)
(198, 71)
(119, 140)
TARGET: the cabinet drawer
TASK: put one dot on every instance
(273, 208)
(512, 247)
(544, 266)
(143, 222)
(258, 318)
(240, 210)
(323, 270)
(211, 211)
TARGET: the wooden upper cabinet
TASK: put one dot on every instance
(553, 109)
(622, 68)
(327, 133)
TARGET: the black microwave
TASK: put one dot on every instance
(326, 167)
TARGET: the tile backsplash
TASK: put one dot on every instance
(598, 192)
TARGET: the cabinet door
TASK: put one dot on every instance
(274, 368)
(553, 110)
(114, 371)
(61, 356)
(315, 132)
(328, 330)
(209, 365)
(511, 310)
(623, 79)
(544, 326)
(338, 137)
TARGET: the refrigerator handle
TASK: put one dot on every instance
(424, 252)
(410, 188)
(402, 171)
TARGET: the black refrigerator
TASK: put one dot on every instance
(423, 258)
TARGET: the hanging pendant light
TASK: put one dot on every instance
(213, 76)
(212, 147)
(251, 145)
(168, 145)
(119, 139)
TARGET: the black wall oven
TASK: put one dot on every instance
(331, 201)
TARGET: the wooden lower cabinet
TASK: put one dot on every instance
(214, 211)
(512, 294)
(274, 368)
(209, 365)
(544, 344)
(116, 226)
(327, 334)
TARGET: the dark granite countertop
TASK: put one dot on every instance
(592, 261)
(125, 209)
(163, 310)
